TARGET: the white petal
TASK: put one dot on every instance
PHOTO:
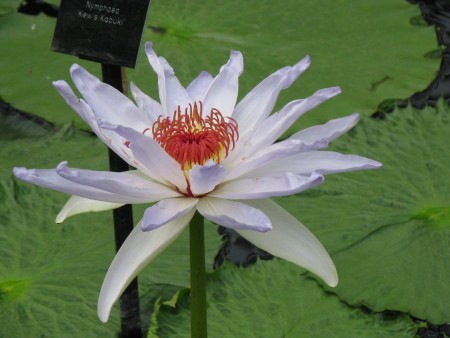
(204, 178)
(328, 131)
(266, 156)
(267, 186)
(49, 178)
(136, 252)
(146, 104)
(166, 211)
(122, 183)
(67, 93)
(233, 215)
(292, 241)
(223, 91)
(197, 88)
(77, 205)
(171, 93)
(323, 162)
(269, 130)
(107, 102)
(151, 159)
(111, 139)
(259, 102)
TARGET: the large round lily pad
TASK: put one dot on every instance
(389, 230)
(274, 299)
(50, 274)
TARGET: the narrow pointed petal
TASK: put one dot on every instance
(197, 88)
(146, 104)
(323, 162)
(292, 241)
(204, 179)
(111, 139)
(223, 91)
(259, 103)
(139, 249)
(117, 108)
(72, 100)
(269, 130)
(267, 186)
(328, 131)
(171, 93)
(49, 178)
(266, 156)
(233, 215)
(166, 211)
(330, 162)
(150, 158)
(121, 183)
(77, 205)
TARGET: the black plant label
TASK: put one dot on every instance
(106, 31)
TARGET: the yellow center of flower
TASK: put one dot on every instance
(192, 139)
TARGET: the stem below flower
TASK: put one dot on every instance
(198, 277)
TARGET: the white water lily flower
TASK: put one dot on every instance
(198, 151)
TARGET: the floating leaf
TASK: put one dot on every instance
(389, 230)
(274, 299)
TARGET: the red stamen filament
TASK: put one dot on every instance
(191, 139)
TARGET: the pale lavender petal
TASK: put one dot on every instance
(259, 102)
(233, 215)
(292, 241)
(269, 130)
(146, 104)
(139, 249)
(323, 162)
(49, 178)
(77, 205)
(111, 139)
(72, 100)
(107, 102)
(150, 158)
(121, 183)
(166, 211)
(223, 91)
(204, 179)
(267, 186)
(197, 88)
(265, 156)
(328, 131)
(171, 93)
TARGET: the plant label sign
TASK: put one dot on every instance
(106, 31)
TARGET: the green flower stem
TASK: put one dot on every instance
(198, 277)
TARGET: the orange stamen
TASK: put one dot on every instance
(191, 139)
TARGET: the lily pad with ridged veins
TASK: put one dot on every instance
(389, 230)
(274, 299)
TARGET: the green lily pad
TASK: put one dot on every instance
(29, 68)
(8, 6)
(389, 230)
(49, 274)
(368, 48)
(274, 299)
